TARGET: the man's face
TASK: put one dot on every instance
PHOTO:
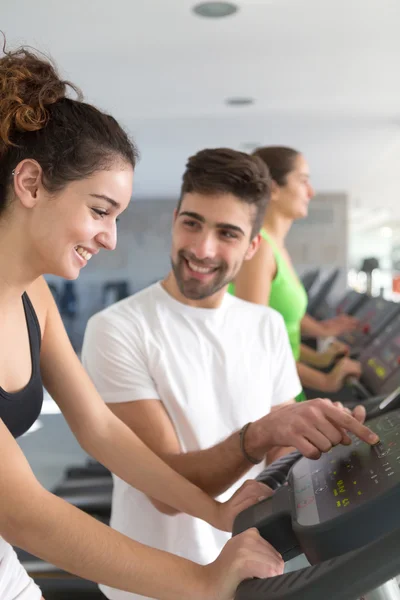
(210, 240)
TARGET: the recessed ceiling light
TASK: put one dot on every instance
(239, 101)
(215, 10)
(250, 145)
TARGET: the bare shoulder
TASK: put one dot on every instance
(266, 250)
(41, 299)
(264, 258)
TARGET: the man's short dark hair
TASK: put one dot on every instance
(225, 171)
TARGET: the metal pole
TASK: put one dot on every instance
(388, 591)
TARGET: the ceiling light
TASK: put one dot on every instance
(239, 101)
(250, 146)
(386, 232)
(215, 10)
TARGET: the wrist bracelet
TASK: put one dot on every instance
(242, 433)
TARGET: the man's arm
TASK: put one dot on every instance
(278, 451)
(214, 470)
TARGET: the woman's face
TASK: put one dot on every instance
(68, 228)
(292, 198)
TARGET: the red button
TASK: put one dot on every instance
(306, 502)
(366, 328)
(398, 360)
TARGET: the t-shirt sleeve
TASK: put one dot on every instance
(114, 356)
(286, 385)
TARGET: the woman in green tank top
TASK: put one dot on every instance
(269, 278)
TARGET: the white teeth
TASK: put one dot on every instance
(200, 269)
(86, 255)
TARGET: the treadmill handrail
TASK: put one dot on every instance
(343, 578)
(357, 385)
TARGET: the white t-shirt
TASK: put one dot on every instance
(213, 369)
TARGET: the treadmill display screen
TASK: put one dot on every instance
(347, 475)
(381, 360)
(373, 315)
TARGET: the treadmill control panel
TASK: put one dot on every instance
(373, 315)
(343, 501)
(347, 476)
(381, 360)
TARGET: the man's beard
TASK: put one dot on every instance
(193, 288)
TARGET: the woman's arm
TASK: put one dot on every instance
(55, 531)
(105, 437)
(330, 327)
(321, 360)
(253, 282)
(312, 328)
(312, 357)
(328, 382)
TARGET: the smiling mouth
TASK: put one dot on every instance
(83, 253)
(201, 270)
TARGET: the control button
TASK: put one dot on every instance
(381, 450)
(366, 328)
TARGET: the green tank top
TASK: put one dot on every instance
(287, 296)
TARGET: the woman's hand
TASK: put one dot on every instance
(248, 494)
(245, 556)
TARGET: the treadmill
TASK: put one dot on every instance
(342, 512)
(309, 279)
(317, 304)
(379, 386)
(374, 314)
(349, 304)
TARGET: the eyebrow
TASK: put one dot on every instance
(103, 197)
(200, 218)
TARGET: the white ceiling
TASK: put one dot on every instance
(324, 76)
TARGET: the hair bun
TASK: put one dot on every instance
(28, 85)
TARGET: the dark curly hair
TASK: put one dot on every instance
(67, 137)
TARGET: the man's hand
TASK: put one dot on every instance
(249, 493)
(312, 427)
(358, 411)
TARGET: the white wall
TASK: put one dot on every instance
(322, 240)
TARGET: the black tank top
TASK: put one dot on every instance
(21, 409)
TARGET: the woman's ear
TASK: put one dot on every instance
(275, 188)
(27, 182)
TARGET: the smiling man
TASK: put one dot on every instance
(204, 379)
